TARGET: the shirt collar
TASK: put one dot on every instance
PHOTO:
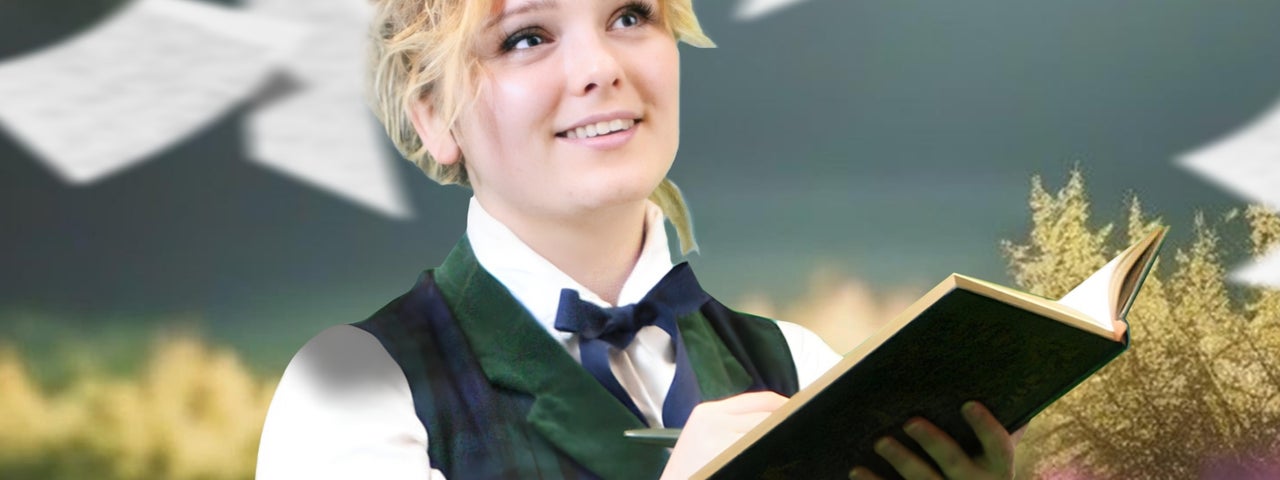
(536, 283)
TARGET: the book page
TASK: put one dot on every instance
(1092, 296)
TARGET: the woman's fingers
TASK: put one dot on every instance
(744, 422)
(996, 460)
(997, 445)
(906, 463)
(863, 473)
(1016, 436)
(713, 426)
(953, 460)
(765, 401)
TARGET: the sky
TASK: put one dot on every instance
(892, 141)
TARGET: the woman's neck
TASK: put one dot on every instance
(598, 250)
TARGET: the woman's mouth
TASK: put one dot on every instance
(599, 128)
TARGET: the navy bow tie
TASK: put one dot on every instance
(677, 294)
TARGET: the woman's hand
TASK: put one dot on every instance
(713, 426)
(996, 461)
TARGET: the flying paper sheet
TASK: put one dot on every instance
(755, 9)
(154, 73)
(1247, 162)
(1265, 272)
(319, 130)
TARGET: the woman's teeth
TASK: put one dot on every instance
(601, 128)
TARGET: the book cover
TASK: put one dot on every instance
(964, 340)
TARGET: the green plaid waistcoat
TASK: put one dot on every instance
(501, 398)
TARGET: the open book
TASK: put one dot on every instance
(965, 340)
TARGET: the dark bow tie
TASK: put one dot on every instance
(677, 294)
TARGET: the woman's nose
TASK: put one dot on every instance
(592, 64)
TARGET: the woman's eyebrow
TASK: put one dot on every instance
(522, 9)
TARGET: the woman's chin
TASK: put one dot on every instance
(605, 201)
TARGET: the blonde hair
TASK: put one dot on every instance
(422, 50)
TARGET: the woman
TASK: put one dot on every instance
(511, 360)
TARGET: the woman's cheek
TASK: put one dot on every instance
(528, 98)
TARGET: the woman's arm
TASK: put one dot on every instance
(343, 409)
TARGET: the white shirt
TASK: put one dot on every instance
(343, 408)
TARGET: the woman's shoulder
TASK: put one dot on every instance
(365, 356)
(339, 400)
(340, 358)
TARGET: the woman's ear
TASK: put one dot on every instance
(435, 133)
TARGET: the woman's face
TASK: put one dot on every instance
(577, 108)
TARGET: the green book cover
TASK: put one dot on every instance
(965, 340)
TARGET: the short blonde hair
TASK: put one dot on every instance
(422, 49)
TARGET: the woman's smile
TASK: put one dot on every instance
(603, 132)
(606, 141)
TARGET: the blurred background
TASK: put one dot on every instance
(840, 158)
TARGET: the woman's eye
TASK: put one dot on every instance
(523, 39)
(634, 14)
(626, 20)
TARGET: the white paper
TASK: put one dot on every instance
(1262, 273)
(322, 132)
(1247, 162)
(755, 9)
(154, 73)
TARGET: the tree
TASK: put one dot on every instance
(1200, 386)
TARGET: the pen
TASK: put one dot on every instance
(665, 437)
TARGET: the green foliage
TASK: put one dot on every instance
(1201, 382)
(1062, 249)
(193, 412)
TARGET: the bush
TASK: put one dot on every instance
(193, 412)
